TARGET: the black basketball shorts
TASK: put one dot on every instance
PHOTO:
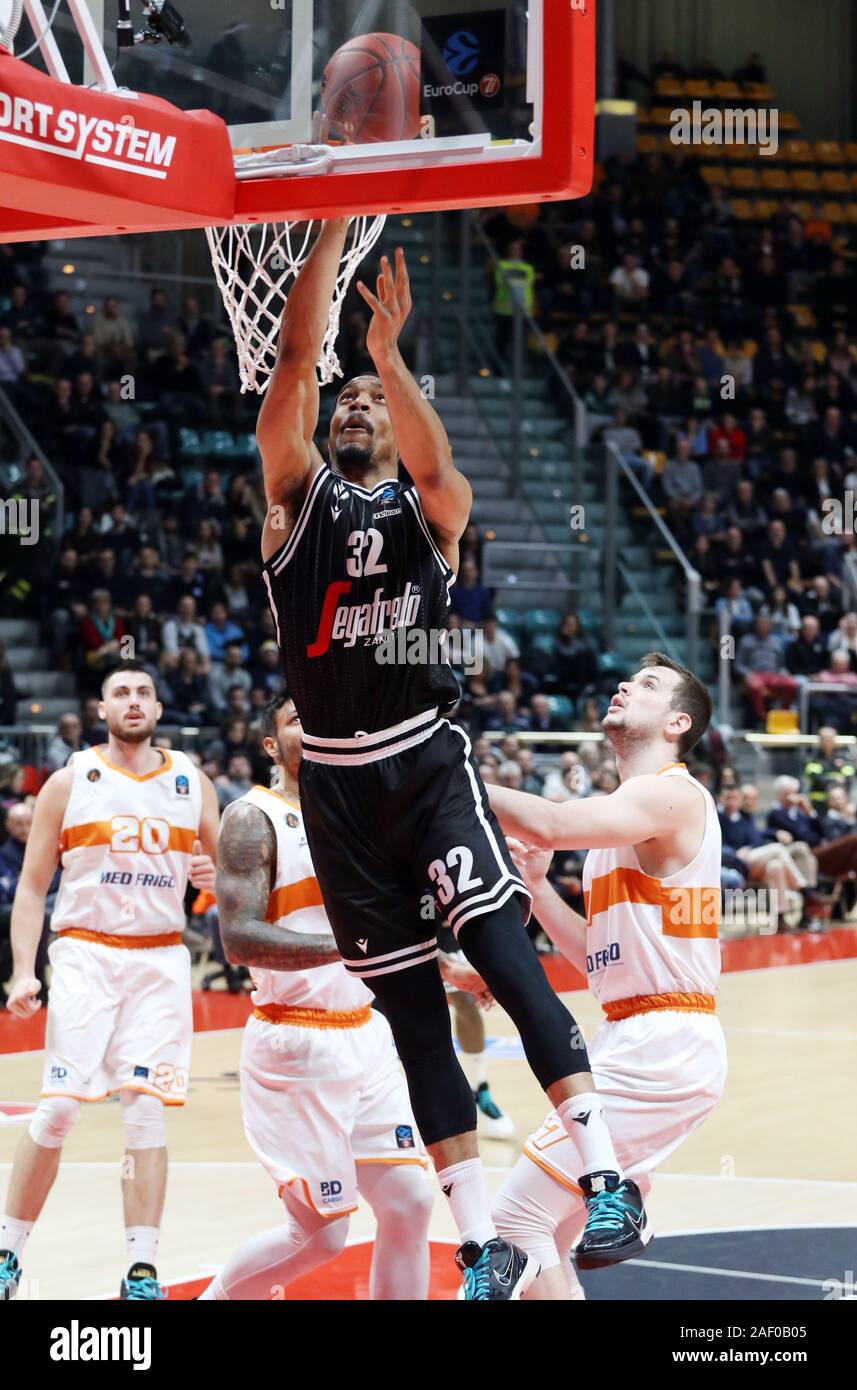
(402, 842)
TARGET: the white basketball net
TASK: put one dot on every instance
(255, 266)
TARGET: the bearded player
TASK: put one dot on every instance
(131, 825)
(324, 1101)
(396, 816)
(648, 946)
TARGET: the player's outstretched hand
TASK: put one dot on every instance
(532, 863)
(463, 977)
(202, 872)
(24, 999)
(390, 306)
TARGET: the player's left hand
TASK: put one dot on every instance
(461, 976)
(390, 306)
(532, 863)
(202, 871)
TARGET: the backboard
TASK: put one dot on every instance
(483, 99)
(500, 102)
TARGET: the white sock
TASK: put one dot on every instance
(463, 1186)
(583, 1121)
(141, 1245)
(14, 1234)
(474, 1068)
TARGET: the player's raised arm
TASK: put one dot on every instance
(41, 858)
(445, 493)
(289, 413)
(641, 809)
(246, 855)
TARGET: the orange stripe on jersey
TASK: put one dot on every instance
(291, 897)
(617, 1009)
(136, 776)
(123, 943)
(102, 832)
(686, 911)
(300, 1017)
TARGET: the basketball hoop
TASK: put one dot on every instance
(256, 263)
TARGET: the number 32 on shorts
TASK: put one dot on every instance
(459, 857)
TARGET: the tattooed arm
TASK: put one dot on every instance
(246, 857)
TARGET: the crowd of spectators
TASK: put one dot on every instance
(721, 357)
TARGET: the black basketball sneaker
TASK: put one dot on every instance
(617, 1228)
(495, 1272)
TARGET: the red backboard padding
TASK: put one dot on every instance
(71, 158)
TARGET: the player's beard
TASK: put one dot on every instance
(354, 457)
(134, 734)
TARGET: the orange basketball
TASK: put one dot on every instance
(371, 90)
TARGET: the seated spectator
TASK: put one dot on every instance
(235, 782)
(745, 512)
(506, 714)
(226, 674)
(498, 646)
(509, 775)
(113, 337)
(221, 385)
(708, 520)
(542, 719)
(629, 443)
(795, 824)
(93, 728)
(184, 630)
(122, 414)
(823, 602)
(738, 560)
(738, 606)
(143, 627)
(830, 766)
(197, 329)
(20, 317)
(782, 614)
(760, 444)
(630, 284)
(531, 779)
(267, 673)
(521, 683)
(101, 634)
(721, 474)
(730, 433)
(836, 815)
(149, 576)
(759, 857)
(837, 708)
(206, 501)
(806, 654)
(156, 325)
(185, 699)
(84, 359)
(68, 739)
(190, 582)
(845, 638)
(470, 599)
(221, 630)
(566, 782)
(681, 482)
(759, 665)
(575, 663)
(588, 718)
(779, 559)
(209, 552)
(238, 705)
(232, 739)
(706, 562)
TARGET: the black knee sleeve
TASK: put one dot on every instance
(414, 1004)
(497, 945)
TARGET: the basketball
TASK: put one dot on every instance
(370, 90)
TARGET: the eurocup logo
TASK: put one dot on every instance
(461, 53)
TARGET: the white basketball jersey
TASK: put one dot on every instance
(125, 845)
(650, 935)
(295, 903)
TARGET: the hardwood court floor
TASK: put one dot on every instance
(779, 1151)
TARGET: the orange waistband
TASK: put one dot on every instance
(616, 1009)
(124, 943)
(313, 1018)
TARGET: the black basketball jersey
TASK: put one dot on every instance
(360, 593)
